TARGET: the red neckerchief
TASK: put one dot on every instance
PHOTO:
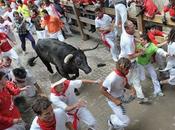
(65, 87)
(75, 119)
(121, 75)
(45, 125)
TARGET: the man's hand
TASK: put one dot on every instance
(17, 120)
(98, 81)
(25, 88)
(81, 103)
(117, 101)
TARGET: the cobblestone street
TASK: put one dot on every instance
(159, 115)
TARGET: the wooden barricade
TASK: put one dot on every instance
(75, 14)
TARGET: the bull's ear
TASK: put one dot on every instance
(68, 58)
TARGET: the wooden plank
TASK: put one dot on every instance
(73, 27)
(80, 25)
(72, 16)
(158, 19)
(140, 22)
(87, 20)
(109, 11)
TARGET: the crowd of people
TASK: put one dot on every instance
(48, 20)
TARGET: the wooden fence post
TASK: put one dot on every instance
(80, 24)
(140, 21)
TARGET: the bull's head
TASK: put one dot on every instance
(79, 60)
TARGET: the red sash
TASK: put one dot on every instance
(121, 75)
(104, 40)
(45, 125)
(76, 119)
(65, 87)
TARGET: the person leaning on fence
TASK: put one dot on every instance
(113, 88)
(63, 96)
(148, 8)
(169, 7)
(53, 25)
(48, 118)
(103, 24)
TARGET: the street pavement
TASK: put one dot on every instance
(159, 115)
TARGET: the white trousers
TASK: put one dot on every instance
(133, 79)
(171, 80)
(41, 34)
(150, 69)
(12, 54)
(119, 119)
(19, 126)
(120, 12)
(110, 38)
(58, 35)
(85, 115)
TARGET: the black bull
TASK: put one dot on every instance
(66, 58)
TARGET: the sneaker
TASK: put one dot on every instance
(159, 94)
(143, 100)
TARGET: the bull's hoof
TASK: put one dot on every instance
(76, 91)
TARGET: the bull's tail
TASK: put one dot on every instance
(32, 61)
(89, 49)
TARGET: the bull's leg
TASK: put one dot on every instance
(47, 64)
(62, 73)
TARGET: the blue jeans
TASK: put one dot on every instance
(23, 40)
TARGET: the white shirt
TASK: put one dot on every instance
(70, 98)
(115, 84)
(9, 14)
(61, 120)
(104, 22)
(171, 58)
(5, 27)
(127, 45)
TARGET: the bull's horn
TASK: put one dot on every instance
(67, 58)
